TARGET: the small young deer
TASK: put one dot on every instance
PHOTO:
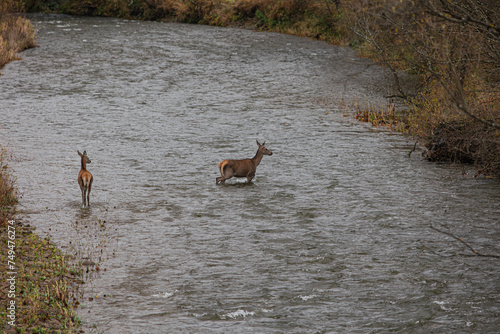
(242, 168)
(85, 178)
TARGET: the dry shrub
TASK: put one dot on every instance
(450, 135)
(8, 193)
(118, 8)
(274, 14)
(306, 18)
(466, 141)
(16, 34)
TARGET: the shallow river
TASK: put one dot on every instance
(333, 235)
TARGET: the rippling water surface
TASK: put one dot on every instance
(333, 235)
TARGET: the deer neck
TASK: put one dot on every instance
(84, 164)
(257, 158)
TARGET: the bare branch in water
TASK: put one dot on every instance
(464, 243)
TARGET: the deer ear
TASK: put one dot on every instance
(79, 153)
(84, 152)
(264, 143)
(257, 142)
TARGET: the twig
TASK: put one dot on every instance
(435, 253)
(464, 243)
(414, 148)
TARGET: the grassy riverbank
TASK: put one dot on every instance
(38, 283)
(299, 17)
(16, 32)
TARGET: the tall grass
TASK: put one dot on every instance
(16, 32)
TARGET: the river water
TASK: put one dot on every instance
(333, 235)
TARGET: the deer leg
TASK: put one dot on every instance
(228, 174)
(88, 192)
(250, 177)
(221, 179)
(83, 195)
(83, 192)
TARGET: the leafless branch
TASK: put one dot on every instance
(367, 35)
(464, 243)
(463, 17)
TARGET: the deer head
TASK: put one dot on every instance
(263, 149)
(84, 157)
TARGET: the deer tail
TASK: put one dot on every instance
(86, 178)
(222, 166)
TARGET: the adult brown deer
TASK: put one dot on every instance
(242, 168)
(85, 178)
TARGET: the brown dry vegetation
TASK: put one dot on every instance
(8, 194)
(16, 33)
(450, 48)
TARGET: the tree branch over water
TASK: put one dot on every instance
(472, 249)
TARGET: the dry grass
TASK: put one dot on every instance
(378, 116)
(16, 35)
(46, 286)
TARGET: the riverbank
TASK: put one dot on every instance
(16, 32)
(452, 106)
(39, 285)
